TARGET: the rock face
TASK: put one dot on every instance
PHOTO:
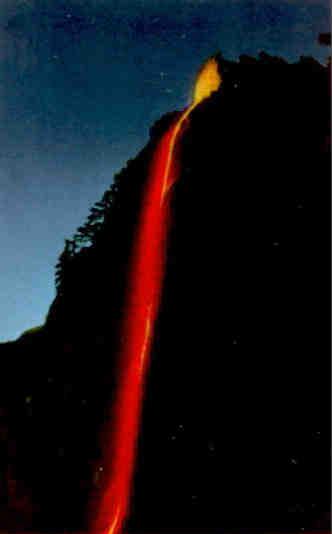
(235, 429)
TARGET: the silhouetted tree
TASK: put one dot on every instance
(87, 234)
(61, 267)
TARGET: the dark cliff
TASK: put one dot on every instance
(235, 428)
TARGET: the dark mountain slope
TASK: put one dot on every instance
(241, 357)
(236, 418)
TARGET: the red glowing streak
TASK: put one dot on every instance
(144, 289)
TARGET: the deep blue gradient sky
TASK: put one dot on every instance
(81, 82)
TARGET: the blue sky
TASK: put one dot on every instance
(81, 82)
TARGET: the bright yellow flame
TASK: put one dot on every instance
(208, 81)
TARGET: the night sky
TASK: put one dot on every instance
(81, 82)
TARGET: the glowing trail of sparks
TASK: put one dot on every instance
(144, 289)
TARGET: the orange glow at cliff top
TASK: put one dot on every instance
(208, 81)
(144, 286)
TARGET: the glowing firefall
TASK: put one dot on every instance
(142, 303)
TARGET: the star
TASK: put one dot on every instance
(211, 446)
